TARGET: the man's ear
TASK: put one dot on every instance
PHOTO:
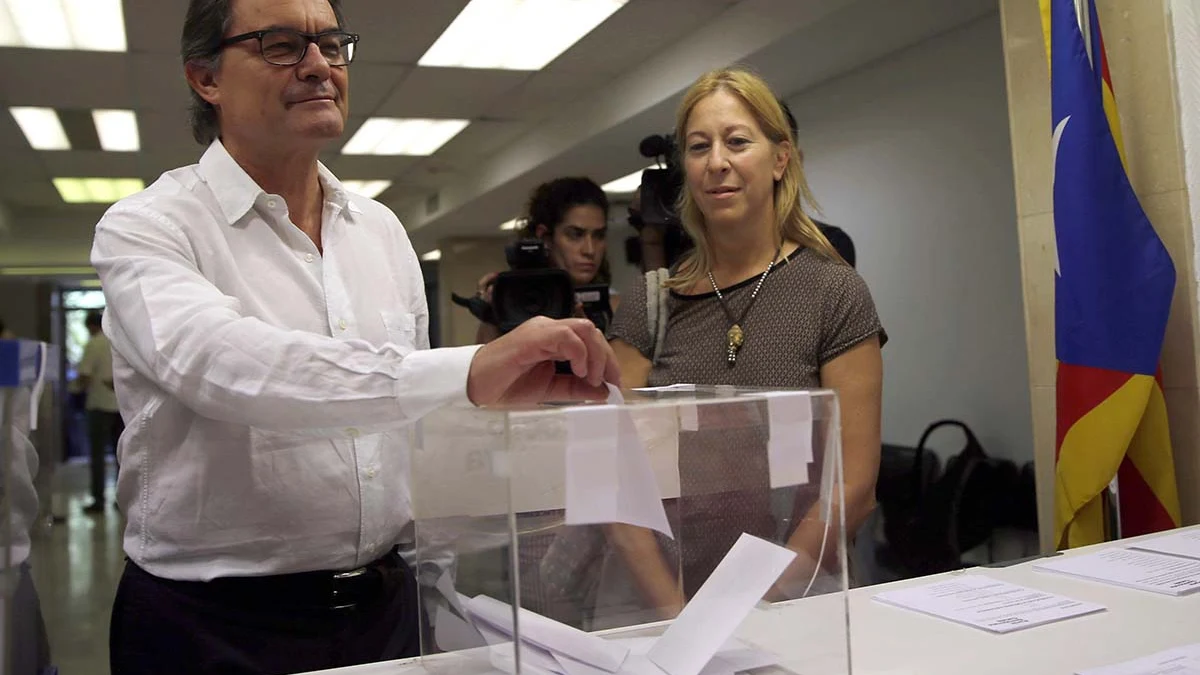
(541, 231)
(203, 81)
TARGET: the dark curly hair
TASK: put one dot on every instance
(549, 203)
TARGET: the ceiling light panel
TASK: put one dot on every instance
(93, 25)
(516, 34)
(367, 188)
(97, 190)
(626, 184)
(415, 137)
(117, 130)
(42, 128)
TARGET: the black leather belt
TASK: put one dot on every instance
(335, 590)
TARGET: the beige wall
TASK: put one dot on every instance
(464, 261)
(1136, 36)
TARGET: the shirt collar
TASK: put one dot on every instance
(236, 191)
(335, 192)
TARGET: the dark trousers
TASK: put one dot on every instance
(261, 626)
(104, 429)
(27, 633)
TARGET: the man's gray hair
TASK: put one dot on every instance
(207, 23)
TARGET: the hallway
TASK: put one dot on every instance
(76, 566)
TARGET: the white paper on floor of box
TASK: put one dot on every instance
(452, 633)
(533, 659)
(723, 602)
(548, 634)
(549, 646)
(609, 477)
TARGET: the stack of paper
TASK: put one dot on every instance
(1185, 544)
(1142, 570)
(983, 602)
(1181, 661)
(698, 642)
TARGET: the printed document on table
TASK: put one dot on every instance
(983, 602)
(1179, 661)
(1185, 544)
(1142, 570)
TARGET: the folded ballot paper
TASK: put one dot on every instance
(698, 642)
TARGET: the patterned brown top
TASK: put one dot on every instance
(809, 311)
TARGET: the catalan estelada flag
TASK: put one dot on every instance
(1113, 288)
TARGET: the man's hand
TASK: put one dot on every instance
(519, 367)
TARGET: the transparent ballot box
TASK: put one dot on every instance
(668, 531)
(27, 370)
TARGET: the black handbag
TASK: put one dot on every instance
(945, 515)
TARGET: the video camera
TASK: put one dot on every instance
(659, 194)
(531, 287)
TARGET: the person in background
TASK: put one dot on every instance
(270, 340)
(570, 215)
(651, 251)
(26, 632)
(103, 413)
(29, 650)
(763, 300)
(841, 242)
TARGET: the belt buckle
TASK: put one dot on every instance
(338, 578)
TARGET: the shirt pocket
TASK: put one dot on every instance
(401, 328)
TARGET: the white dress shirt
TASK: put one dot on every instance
(268, 388)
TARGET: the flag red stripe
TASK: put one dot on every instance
(1103, 53)
(1141, 512)
(1079, 390)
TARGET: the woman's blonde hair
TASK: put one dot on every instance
(791, 191)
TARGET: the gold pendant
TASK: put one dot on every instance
(736, 338)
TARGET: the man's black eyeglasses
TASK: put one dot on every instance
(283, 47)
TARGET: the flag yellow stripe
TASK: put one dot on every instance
(1090, 455)
(1151, 454)
(1045, 7)
(1114, 122)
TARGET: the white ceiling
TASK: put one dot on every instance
(584, 114)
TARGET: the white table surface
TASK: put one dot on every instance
(887, 640)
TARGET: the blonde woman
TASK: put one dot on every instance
(763, 300)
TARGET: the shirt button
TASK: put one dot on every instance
(342, 324)
(371, 472)
(353, 433)
(270, 203)
(309, 257)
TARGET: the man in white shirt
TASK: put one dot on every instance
(270, 338)
(103, 413)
